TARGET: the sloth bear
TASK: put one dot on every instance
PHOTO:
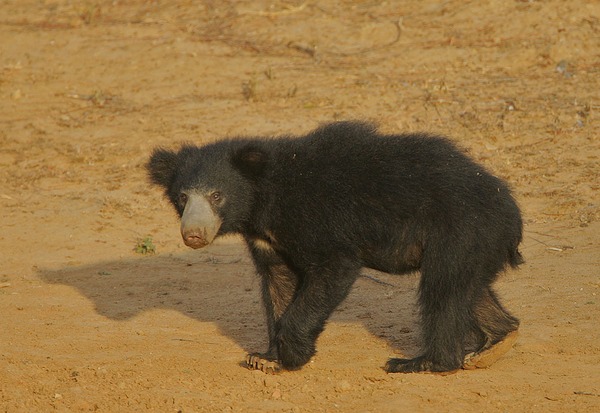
(315, 209)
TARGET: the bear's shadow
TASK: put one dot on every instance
(218, 284)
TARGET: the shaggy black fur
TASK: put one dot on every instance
(316, 209)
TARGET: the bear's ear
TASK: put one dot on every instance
(162, 167)
(250, 160)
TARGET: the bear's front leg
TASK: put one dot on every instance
(318, 295)
(296, 341)
(278, 284)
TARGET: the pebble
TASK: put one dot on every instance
(343, 386)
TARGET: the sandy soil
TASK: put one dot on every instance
(87, 89)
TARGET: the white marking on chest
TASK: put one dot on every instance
(265, 244)
(262, 244)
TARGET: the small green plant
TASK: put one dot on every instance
(249, 90)
(145, 246)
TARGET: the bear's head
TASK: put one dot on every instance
(212, 187)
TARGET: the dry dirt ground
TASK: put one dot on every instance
(88, 88)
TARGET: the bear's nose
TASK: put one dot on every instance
(194, 239)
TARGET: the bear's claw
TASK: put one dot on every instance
(258, 362)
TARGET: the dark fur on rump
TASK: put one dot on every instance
(315, 209)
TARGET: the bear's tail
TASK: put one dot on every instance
(515, 258)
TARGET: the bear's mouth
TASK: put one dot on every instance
(194, 240)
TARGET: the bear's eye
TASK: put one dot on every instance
(215, 196)
(183, 198)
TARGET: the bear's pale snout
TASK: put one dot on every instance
(199, 223)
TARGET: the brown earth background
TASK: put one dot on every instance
(88, 88)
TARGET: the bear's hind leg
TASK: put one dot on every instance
(492, 318)
(445, 321)
(497, 327)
